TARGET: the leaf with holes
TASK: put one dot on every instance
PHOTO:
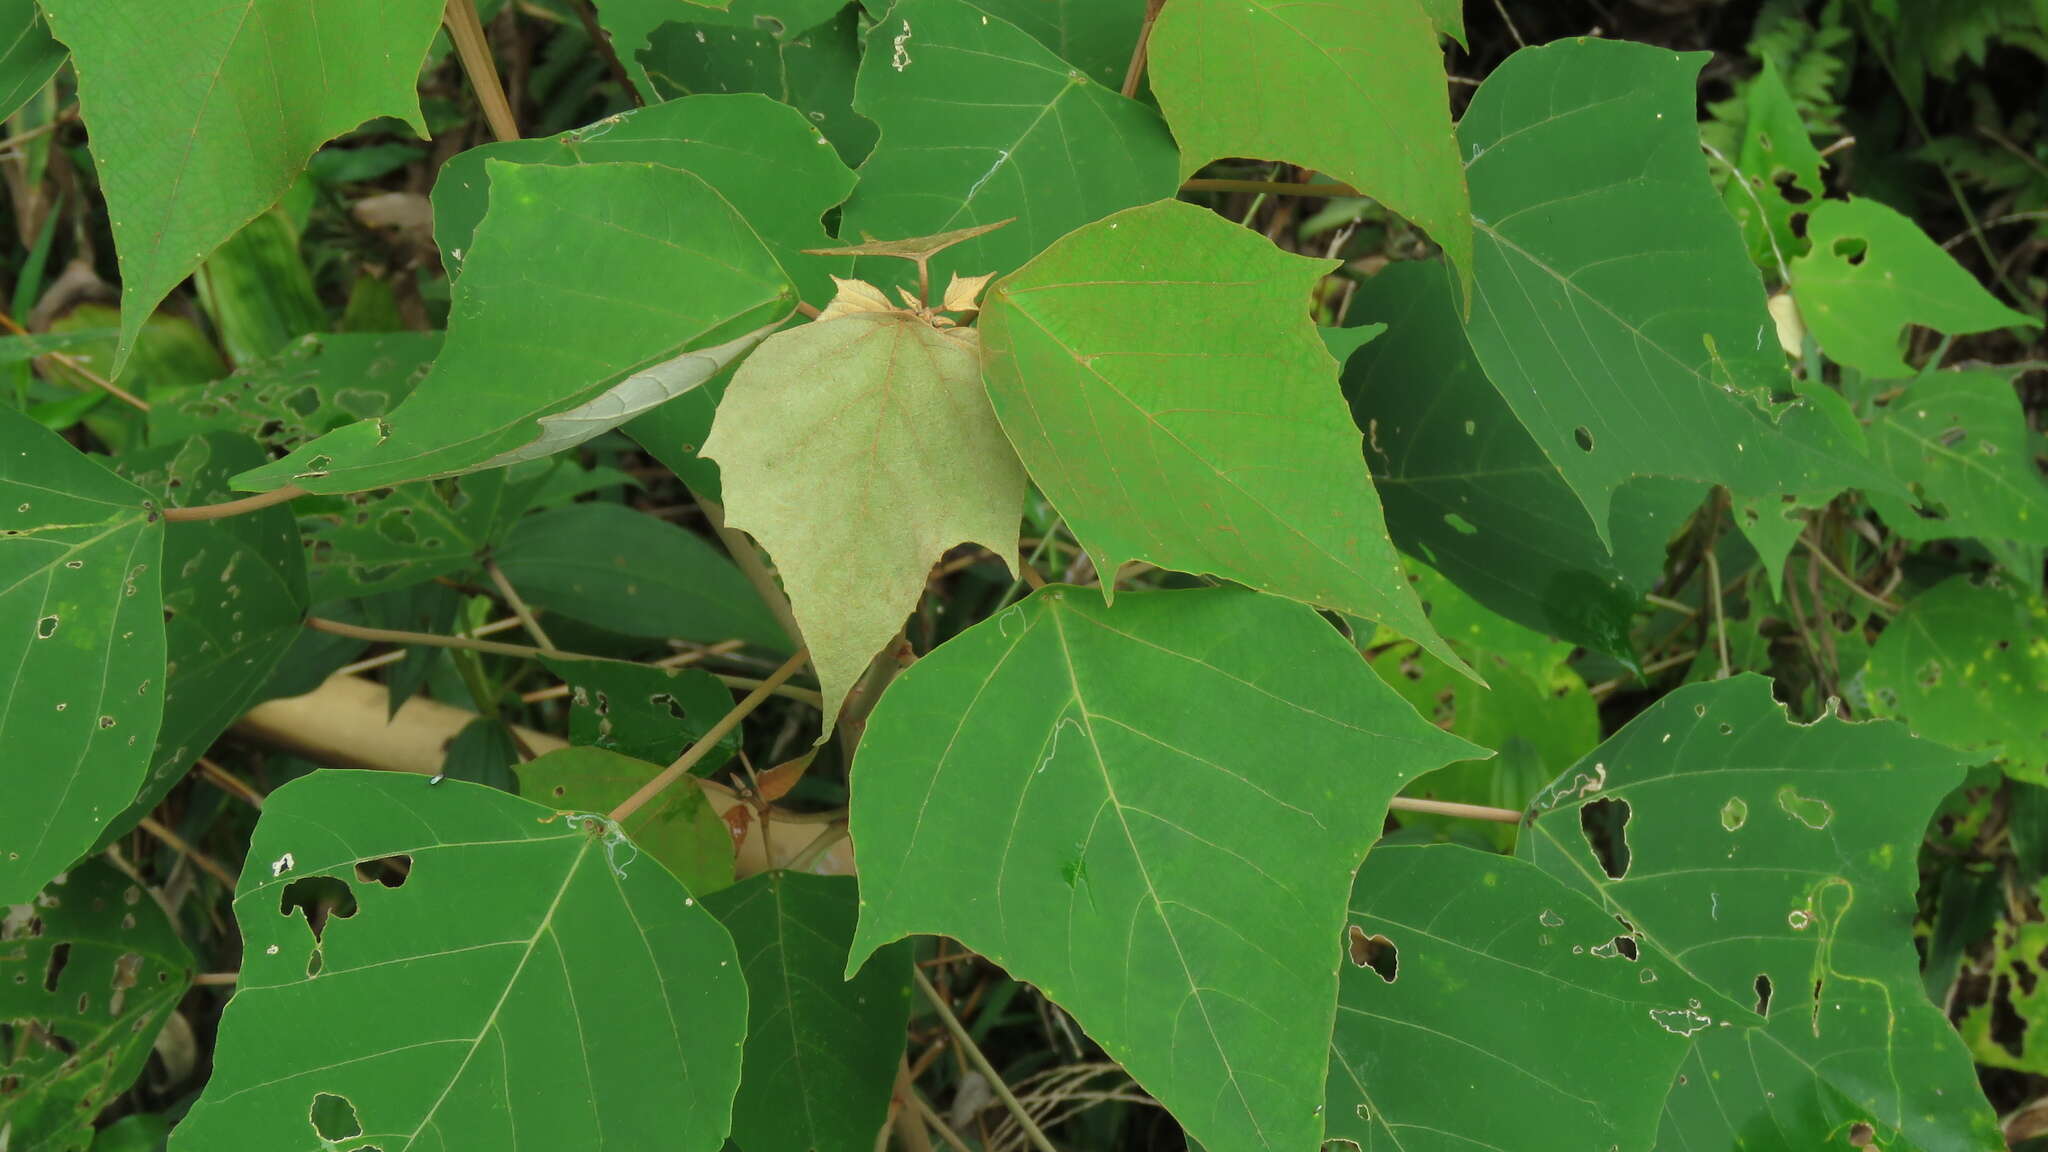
(89, 973)
(1776, 172)
(782, 49)
(1966, 663)
(392, 538)
(1122, 363)
(1353, 89)
(1960, 442)
(202, 113)
(234, 601)
(628, 23)
(858, 450)
(981, 123)
(1614, 306)
(1089, 797)
(645, 712)
(2008, 1025)
(1872, 272)
(317, 385)
(678, 827)
(593, 293)
(1470, 492)
(634, 574)
(821, 1050)
(1455, 956)
(459, 965)
(764, 159)
(1775, 863)
(81, 598)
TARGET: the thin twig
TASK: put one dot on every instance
(76, 365)
(230, 783)
(1135, 73)
(524, 614)
(397, 654)
(1462, 811)
(710, 738)
(178, 844)
(242, 507)
(1510, 22)
(217, 979)
(973, 1054)
(587, 13)
(1720, 619)
(474, 50)
(1845, 578)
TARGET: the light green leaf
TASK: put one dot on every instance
(1614, 305)
(1449, 18)
(201, 114)
(1872, 272)
(258, 291)
(235, 601)
(622, 570)
(1469, 491)
(645, 712)
(506, 976)
(981, 123)
(1087, 796)
(593, 293)
(679, 827)
(1160, 376)
(1354, 89)
(1777, 156)
(858, 450)
(1775, 863)
(1966, 663)
(628, 23)
(1960, 442)
(29, 56)
(88, 975)
(809, 66)
(763, 158)
(313, 387)
(369, 542)
(82, 635)
(821, 1050)
(1453, 956)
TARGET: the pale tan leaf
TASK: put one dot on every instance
(858, 451)
(853, 297)
(963, 293)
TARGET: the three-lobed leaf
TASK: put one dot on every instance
(1159, 375)
(1152, 812)
(81, 595)
(484, 973)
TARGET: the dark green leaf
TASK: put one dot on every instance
(1775, 863)
(390, 538)
(486, 972)
(645, 712)
(28, 54)
(317, 385)
(821, 1050)
(88, 974)
(258, 291)
(483, 753)
(808, 66)
(1087, 796)
(628, 23)
(82, 637)
(1960, 442)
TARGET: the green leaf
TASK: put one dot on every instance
(29, 56)
(593, 293)
(1094, 37)
(1966, 663)
(1775, 863)
(2018, 967)
(316, 385)
(808, 66)
(494, 974)
(628, 23)
(1088, 797)
(1469, 491)
(235, 601)
(1614, 305)
(1872, 272)
(1456, 959)
(81, 595)
(763, 158)
(484, 752)
(201, 114)
(258, 291)
(679, 827)
(1354, 89)
(1960, 442)
(821, 1050)
(858, 450)
(1777, 157)
(674, 434)
(1130, 401)
(645, 712)
(634, 574)
(378, 541)
(88, 975)
(981, 123)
